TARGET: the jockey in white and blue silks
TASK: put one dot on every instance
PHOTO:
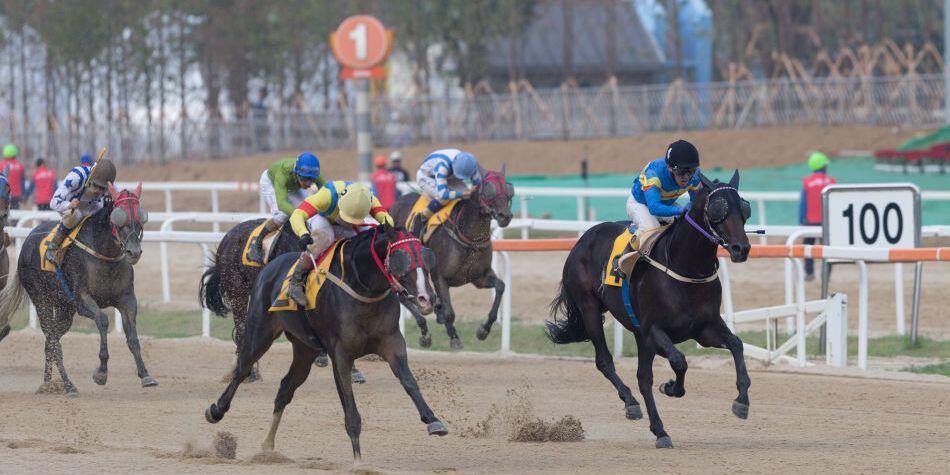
(78, 196)
(442, 177)
(655, 190)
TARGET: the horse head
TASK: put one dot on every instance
(128, 219)
(494, 195)
(406, 266)
(725, 214)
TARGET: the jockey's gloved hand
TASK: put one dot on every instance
(306, 240)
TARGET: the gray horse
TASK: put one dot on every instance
(463, 250)
(96, 272)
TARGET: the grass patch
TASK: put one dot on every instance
(937, 368)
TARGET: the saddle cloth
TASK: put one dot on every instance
(315, 280)
(268, 242)
(435, 221)
(626, 262)
(44, 244)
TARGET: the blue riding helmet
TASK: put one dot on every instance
(307, 166)
(464, 165)
(85, 159)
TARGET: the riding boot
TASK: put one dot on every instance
(418, 225)
(255, 252)
(298, 280)
(53, 254)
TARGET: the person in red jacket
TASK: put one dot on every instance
(384, 183)
(13, 169)
(44, 184)
(809, 209)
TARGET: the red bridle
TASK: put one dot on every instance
(404, 242)
(127, 201)
(501, 191)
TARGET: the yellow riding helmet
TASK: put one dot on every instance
(355, 202)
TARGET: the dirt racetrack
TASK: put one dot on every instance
(803, 423)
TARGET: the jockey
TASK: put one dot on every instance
(655, 190)
(77, 197)
(333, 213)
(442, 179)
(284, 186)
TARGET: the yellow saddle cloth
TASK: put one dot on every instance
(435, 221)
(265, 249)
(315, 281)
(611, 277)
(44, 244)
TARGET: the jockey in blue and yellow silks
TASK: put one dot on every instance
(655, 190)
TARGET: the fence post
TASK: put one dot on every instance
(618, 339)
(836, 319)
(214, 209)
(523, 200)
(862, 314)
(168, 201)
(506, 305)
(899, 297)
(118, 322)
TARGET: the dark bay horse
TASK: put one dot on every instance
(380, 269)
(96, 272)
(668, 311)
(4, 242)
(226, 286)
(463, 250)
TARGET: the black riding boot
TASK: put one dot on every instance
(298, 280)
(255, 252)
(52, 249)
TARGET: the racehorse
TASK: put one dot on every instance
(226, 285)
(96, 272)
(4, 258)
(463, 249)
(674, 298)
(356, 314)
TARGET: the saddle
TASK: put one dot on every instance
(315, 280)
(623, 263)
(265, 248)
(435, 221)
(44, 244)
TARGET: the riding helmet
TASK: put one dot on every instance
(102, 173)
(355, 203)
(307, 166)
(464, 165)
(682, 154)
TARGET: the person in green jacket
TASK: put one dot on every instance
(284, 185)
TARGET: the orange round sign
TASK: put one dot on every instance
(361, 42)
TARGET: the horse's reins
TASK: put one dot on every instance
(115, 234)
(455, 230)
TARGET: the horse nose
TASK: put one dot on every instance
(739, 251)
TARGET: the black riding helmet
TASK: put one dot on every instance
(682, 155)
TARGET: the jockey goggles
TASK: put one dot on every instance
(683, 171)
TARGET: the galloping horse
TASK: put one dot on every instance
(226, 286)
(357, 313)
(463, 249)
(674, 298)
(96, 272)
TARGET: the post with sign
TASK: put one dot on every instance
(884, 215)
(361, 44)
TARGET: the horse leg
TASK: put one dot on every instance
(603, 359)
(720, 336)
(445, 314)
(260, 338)
(296, 375)
(128, 307)
(342, 366)
(677, 361)
(87, 307)
(645, 355)
(54, 351)
(425, 339)
(393, 350)
(240, 328)
(485, 281)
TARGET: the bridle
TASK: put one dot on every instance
(712, 235)
(133, 216)
(404, 242)
(501, 196)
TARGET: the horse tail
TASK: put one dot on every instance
(209, 291)
(570, 329)
(11, 297)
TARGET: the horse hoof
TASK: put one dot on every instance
(634, 413)
(437, 428)
(667, 389)
(740, 410)
(664, 442)
(425, 341)
(322, 361)
(455, 343)
(148, 382)
(482, 332)
(252, 377)
(100, 377)
(71, 392)
(211, 416)
(357, 376)
(439, 319)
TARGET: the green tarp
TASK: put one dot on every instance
(926, 141)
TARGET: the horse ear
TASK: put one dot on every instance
(502, 170)
(138, 190)
(115, 194)
(734, 181)
(705, 181)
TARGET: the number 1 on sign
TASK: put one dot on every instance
(358, 35)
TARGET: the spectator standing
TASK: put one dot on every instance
(809, 209)
(13, 170)
(44, 184)
(384, 183)
(395, 167)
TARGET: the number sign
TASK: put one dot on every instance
(361, 42)
(885, 215)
